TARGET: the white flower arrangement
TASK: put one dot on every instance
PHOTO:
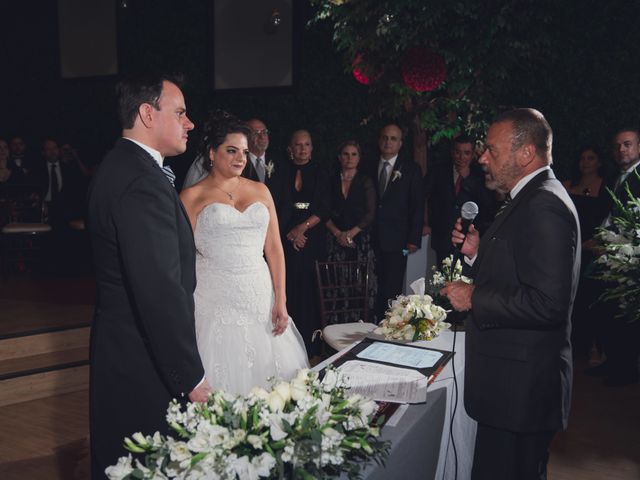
(269, 168)
(619, 263)
(413, 317)
(307, 428)
(395, 175)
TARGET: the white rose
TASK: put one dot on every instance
(330, 380)
(255, 441)
(275, 401)
(298, 389)
(303, 375)
(120, 469)
(259, 392)
(284, 390)
(179, 451)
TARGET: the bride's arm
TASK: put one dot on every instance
(188, 197)
(275, 259)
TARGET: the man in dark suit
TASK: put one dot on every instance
(267, 170)
(397, 229)
(143, 342)
(621, 338)
(526, 267)
(448, 185)
(63, 187)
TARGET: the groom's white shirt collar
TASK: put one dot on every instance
(156, 155)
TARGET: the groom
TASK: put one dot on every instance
(143, 343)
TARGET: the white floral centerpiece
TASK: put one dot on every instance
(307, 428)
(619, 264)
(413, 317)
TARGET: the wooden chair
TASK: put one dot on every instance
(344, 302)
(25, 231)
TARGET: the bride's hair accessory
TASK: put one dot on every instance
(218, 125)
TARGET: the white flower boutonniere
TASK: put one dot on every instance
(269, 168)
(395, 175)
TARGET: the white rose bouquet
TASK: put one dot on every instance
(413, 317)
(447, 273)
(619, 265)
(307, 428)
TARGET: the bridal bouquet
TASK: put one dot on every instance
(413, 317)
(619, 266)
(308, 428)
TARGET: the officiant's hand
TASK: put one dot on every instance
(201, 392)
(470, 242)
(459, 295)
(279, 318)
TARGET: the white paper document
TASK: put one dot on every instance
(404, 355)
(383, 382)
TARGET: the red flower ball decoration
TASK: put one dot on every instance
(360, 71)
(422, 69)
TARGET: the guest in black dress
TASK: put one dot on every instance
(587, 190)
(305, 235)
(352, 209)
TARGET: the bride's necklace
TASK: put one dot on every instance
(229, 193)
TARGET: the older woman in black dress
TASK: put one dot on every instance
(353, 206)
(305, 235)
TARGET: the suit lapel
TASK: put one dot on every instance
(528, 189)
(144, 156)
(397, 167)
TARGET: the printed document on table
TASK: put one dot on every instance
(383, 382)
(404, 355)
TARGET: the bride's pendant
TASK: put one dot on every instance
(229, 194)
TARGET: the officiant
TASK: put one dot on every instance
(525, 271)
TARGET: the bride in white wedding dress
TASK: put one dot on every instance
(244, 333)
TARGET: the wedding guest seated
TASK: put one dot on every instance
(353, 204)
(9, 175)
(21, 160)
(586, 188)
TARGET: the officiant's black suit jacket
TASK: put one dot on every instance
(518, 357)
(143, 344)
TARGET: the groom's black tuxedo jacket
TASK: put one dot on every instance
(143, 343)
(518, 357)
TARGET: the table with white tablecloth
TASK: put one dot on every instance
(421, 444)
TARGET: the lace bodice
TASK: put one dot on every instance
(231, 239)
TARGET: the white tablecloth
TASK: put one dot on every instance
(464, 428)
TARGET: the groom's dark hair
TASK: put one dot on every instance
(136, 90)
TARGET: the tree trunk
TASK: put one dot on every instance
(420, 144)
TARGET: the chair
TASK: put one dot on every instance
(344, 302)
(25, 231)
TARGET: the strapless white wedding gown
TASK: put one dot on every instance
(233, 301)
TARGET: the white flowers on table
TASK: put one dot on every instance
(306, 425)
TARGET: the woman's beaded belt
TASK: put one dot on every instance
(301, 205)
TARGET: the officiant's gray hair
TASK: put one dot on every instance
(529, 127)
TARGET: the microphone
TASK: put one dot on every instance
(468, 213)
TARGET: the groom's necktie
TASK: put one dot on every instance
(169, 174)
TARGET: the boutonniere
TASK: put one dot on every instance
(269, 168)
(395, 175)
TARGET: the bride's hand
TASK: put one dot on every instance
(280, 319)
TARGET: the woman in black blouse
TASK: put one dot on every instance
(305, 235)
(353, 206)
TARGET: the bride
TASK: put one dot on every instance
(243, 330)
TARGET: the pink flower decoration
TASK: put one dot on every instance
(422, 69)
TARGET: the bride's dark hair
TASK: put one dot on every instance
(219, 124)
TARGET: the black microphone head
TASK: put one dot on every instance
(469, 211)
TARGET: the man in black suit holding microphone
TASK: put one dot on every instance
(143, 341)
(525, 270)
